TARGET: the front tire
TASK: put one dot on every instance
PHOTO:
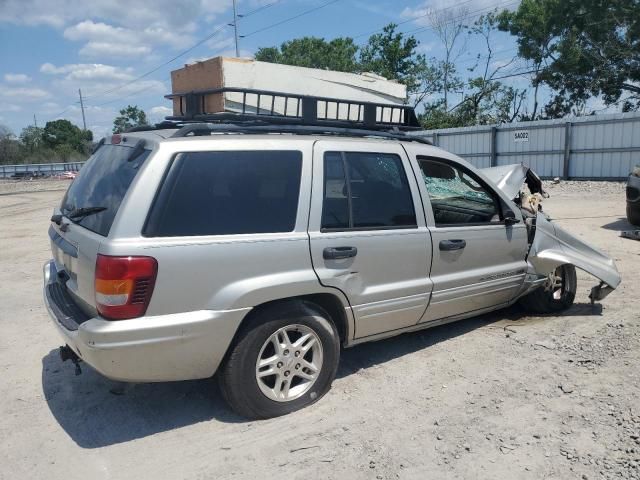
(556, 295)
(285, 358)
(633, 214)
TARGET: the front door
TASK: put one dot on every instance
(478, 258)
(368, 233)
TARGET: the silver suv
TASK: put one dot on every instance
(182, 253)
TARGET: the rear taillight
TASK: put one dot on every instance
(124, 285)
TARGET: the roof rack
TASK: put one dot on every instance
(204, 128)
(278, 108)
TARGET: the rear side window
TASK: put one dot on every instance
(365, 190)
(225, 193)
(103, 182)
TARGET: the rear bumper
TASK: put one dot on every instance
(157, 348)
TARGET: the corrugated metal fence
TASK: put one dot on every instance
(597, 147)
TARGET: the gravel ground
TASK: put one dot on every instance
(9, 187)
(588, 188)
(501, 396)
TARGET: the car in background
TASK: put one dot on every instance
(68, 175)
(633, 197)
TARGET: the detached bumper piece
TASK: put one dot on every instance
(632, 234)
(599, 292)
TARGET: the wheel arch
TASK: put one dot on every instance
(338, 310)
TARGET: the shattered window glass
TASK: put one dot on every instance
(456, 197)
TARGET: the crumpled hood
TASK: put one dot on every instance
(510, 178)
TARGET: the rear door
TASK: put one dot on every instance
(103, 183)
(478, 258)
(368, 233)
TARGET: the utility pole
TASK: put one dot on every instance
(84, 122)
(235, 27)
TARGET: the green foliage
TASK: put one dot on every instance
(393, 56)
(63, 132)
(129, 117)
(31, 138)
(10, 150)
(338, 54)
(58, 141)
(586, 48)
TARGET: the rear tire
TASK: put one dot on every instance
(557, 294)
(284, 359)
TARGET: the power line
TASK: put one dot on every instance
(286, 20)
(412, 19)
(259, 9)
(465, 16)
(155, 69)
(516, 74)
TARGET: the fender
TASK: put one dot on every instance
(553, 246)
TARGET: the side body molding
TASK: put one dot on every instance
(553, 246)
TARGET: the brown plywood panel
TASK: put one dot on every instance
(199, 76)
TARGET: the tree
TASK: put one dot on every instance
(5, 131)
(585, 48)
(129, 117)
(31, 138)
(393, 56)
(448, 25)
(338, 54)
(487, 100)
(10, 148)
(63, 132)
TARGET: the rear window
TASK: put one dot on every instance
(103, 182)
(225, 193)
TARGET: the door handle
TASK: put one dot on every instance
(448, 245)
(337, 253)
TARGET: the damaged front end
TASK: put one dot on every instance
(551, 246)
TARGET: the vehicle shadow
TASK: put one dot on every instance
(374, 353)
(619, 225)
(97, 412)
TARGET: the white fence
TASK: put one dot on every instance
(594, 147)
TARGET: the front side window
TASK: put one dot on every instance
(365, 190)
(224, 193)
(457, 197)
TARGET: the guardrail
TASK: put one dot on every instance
(38, 169)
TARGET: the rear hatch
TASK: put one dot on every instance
(85, 216)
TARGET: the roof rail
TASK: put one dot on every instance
(291, 109)
(203, 128)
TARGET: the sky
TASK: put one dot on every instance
(122, 52)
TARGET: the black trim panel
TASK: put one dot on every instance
(67, 313)
(64, 245)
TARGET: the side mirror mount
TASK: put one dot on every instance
(510, 218)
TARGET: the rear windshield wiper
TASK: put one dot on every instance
(85, 211)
